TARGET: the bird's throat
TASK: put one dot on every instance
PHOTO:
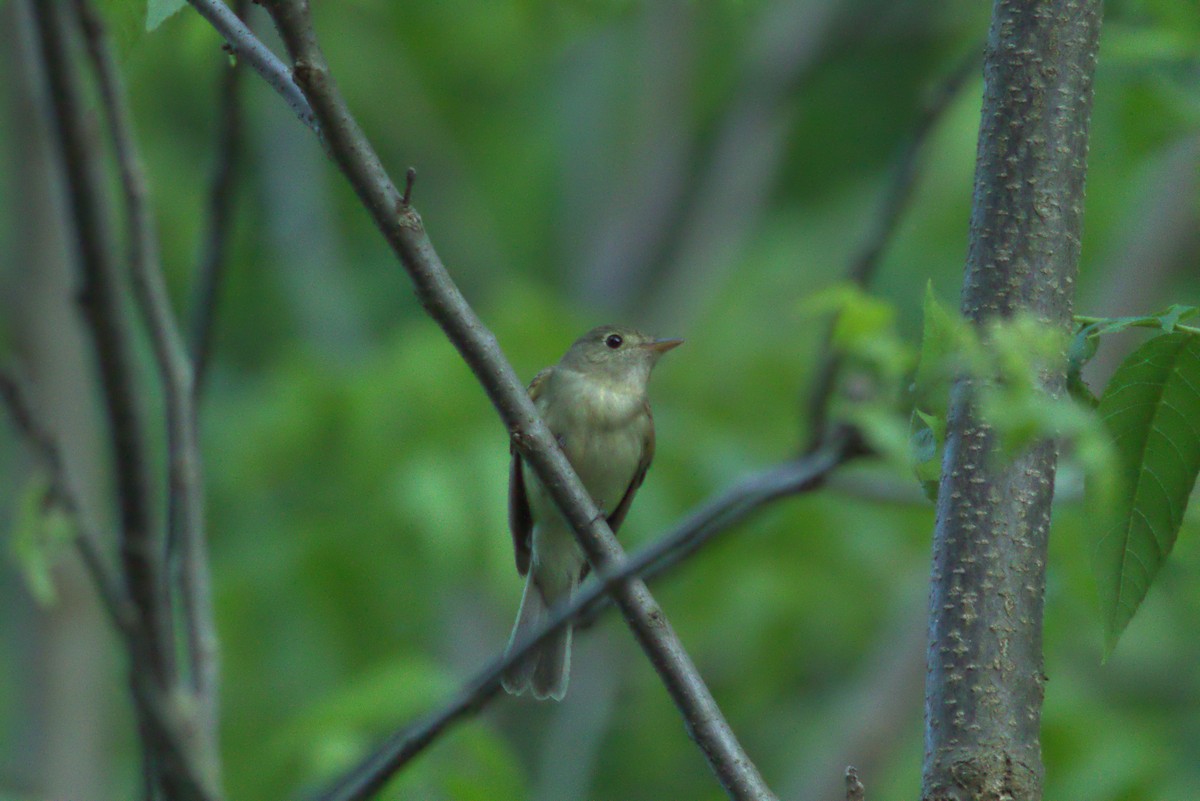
(596, 401)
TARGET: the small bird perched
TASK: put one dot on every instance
(594, 401)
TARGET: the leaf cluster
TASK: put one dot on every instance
(1138, 444)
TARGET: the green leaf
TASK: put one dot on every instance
(924, 445)
(934, 423)
(926, 440)
(861, 318)
(1083, 348)
(1151, 409)
(943, 340)
(883, 429)
(159, 11)
(40, 533)
(864, 330)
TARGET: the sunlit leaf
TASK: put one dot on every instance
(883, 429)
(1023, 348)
(1151, 409)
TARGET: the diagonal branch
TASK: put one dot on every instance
(715, 517)
(795, 477)
(185, 541)
(803, 474)
(402, 228)
(245, 45)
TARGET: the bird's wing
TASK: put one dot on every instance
(617, 515)
(520, 520)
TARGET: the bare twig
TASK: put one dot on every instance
(246, 45)
(402, 228)
(410, 178)
(718, 515)
(895, 202)
(185, 539)
(210, 271)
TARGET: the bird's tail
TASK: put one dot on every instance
(547, 667)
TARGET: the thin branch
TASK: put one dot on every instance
(101, 299)
(402, 228)
(1141, 322)
(103, 304)
(210, 272)
(716, 516)
(185, 493)
(246, 45)
(410, 178)
(899, 192)
(720, 514)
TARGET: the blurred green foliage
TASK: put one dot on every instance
(356, 473)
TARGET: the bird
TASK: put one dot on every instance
(594, 401)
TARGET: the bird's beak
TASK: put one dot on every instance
(662, 345)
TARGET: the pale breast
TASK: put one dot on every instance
(603, 434)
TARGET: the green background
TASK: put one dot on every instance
(696, 169)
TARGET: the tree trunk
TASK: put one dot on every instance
(985, 683)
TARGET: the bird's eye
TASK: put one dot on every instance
(614, 341)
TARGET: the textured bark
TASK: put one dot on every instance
(985, 681)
